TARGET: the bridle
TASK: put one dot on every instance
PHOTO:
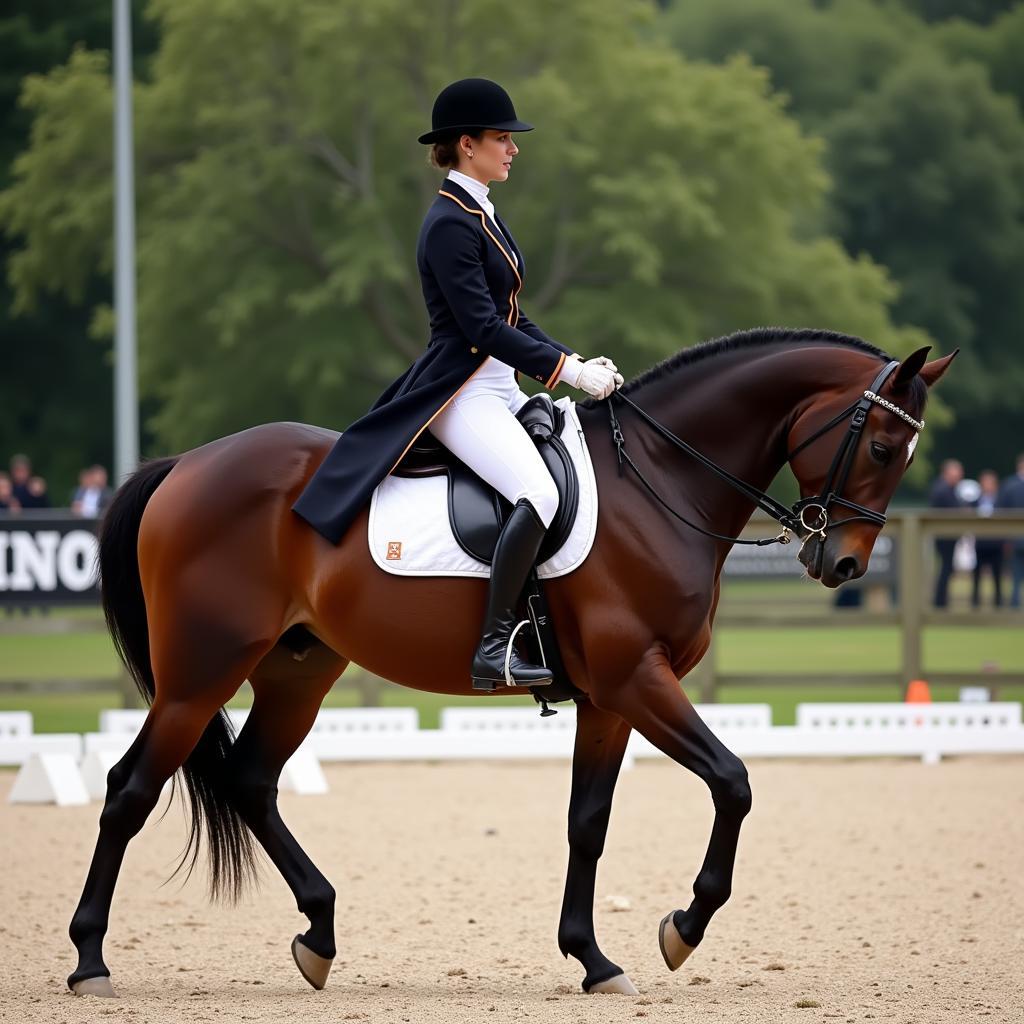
(808, 517)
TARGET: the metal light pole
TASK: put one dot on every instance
(126, 400)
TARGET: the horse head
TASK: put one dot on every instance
(845, 490)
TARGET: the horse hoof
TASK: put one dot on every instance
(619, 985)
(94, 987)
(312, 967)
(673, 949)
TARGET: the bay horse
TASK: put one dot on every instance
(204, 568)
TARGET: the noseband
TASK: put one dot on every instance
(808, 517)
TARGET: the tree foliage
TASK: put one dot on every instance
(55, 391)
(920, 105)
(280, 191)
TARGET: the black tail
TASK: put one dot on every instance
(232, 855)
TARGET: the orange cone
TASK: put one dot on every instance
(918, 692)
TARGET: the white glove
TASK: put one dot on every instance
(599, 377)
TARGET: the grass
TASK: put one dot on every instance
(799, 655)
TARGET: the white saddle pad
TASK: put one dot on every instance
(409, 532)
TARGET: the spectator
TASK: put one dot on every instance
(8, 502)
(21, 472)
(37, 495)
(943, 495)
(1011, 495)
(92, 495)
(988, 551)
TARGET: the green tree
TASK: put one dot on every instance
(930, 182)
(281, 189)
(819, 55)
(983, 11)
(55, 391)
(925, 154)
(998, 47)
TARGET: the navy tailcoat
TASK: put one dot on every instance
(471, 285)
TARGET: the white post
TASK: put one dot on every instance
(126, 411)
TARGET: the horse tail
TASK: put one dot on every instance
(124, 606)
(232, 856)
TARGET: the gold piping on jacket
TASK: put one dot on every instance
(483, 223)
(553, 379)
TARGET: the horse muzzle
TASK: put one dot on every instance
(826, 562)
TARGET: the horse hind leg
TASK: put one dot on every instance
(287, 696)
(171, 733)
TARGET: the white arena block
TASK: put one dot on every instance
(115, 742)
(122, 720)
(94, 768)
(16, 750)
(302, 774)
(49, 779)
(15, 723)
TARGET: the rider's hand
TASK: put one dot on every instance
(599, 377)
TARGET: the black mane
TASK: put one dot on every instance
(754, 338)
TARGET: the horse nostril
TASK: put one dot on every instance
(847, 568)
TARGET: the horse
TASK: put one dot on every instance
(208, 577)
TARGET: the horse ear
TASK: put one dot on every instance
(910, 367)
(932, 371)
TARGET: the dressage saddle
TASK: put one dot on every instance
(476, 510)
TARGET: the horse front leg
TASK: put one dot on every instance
(601, 739)
(654, 704)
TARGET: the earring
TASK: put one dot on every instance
(470, 156)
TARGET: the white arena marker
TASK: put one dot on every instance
(95, 766)
(303, 774)
(49, 779)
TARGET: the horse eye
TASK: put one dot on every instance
(880, 453)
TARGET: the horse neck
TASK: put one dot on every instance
(736, 408)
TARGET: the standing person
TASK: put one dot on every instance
(464, 387)
(1011, 495)
(8, 502)
(943, 495)
(988, 551)
(21, 473)
(92, 495)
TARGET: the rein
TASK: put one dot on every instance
(795, 519)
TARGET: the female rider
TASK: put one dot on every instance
(464, 388)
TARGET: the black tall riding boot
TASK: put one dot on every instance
(514, 555)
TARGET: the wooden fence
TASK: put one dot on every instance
(915, 532)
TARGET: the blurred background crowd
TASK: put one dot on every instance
(23, 490)
(990, 557)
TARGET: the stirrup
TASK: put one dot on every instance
(490, 683)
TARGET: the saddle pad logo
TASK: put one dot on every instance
(394, 549)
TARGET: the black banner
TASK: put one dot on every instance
(47, 560)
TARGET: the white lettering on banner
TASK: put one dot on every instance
(44, 560)
(76, 560)
(34, 560)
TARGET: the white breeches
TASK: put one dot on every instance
(480, 427)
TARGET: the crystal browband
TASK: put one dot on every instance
(918, 425)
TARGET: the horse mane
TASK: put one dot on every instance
(757, 337)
